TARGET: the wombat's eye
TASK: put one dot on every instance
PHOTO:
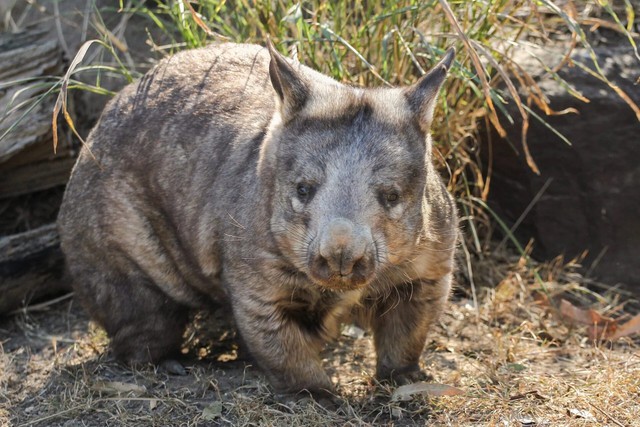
(390, 198)
(304, 192)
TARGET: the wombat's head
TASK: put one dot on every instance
(347, 168)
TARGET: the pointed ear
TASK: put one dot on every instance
(422, 96)
(290, 86)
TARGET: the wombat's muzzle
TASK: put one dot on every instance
(345, 255)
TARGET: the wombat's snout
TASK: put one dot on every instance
(345, 255)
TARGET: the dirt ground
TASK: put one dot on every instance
(515, 361)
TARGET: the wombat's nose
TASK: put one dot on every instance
(343, 251)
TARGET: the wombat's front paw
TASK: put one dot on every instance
(403, 376)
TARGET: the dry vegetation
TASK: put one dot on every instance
(519, 359)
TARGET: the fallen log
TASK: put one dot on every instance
(31, 267)
(31, 262)
(30, 63)
(34, 177)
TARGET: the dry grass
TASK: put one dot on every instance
(515, 358)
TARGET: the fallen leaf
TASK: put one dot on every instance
(213, 411)
(119, 388)
(573, 313)
(580, 413)
(629, 328)
(599, 326)
(405, 392)
(527, 422)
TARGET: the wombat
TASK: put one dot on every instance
(230, 173)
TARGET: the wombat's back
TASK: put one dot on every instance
(218, 91)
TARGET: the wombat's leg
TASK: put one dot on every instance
(286, 349)
(152, 330)
(400, 325)
(144, 324)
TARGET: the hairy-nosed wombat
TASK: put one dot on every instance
(232, 172)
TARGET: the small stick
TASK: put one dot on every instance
(42, 305)
(607, 415)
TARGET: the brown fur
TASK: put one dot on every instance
(229, 172)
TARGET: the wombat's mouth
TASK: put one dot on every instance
(337, 282)
(357, 276)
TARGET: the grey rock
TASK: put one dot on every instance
(593, 199)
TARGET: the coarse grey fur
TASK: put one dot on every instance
(231, 172)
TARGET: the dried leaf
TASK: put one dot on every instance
(406, 392)
(200, 22)
(213, 411)
(119, 388)
(600, 327)
(527, 422)
(574, 313)
(61, 101)
(579, 413)
(586, 317)
(629, 328)
(602, 331)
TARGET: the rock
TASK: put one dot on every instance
(593, 198)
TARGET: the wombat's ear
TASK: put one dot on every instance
(423, 94)
(291, 88)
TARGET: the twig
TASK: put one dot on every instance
(48, 417)
(41, 306)
(613, 420)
